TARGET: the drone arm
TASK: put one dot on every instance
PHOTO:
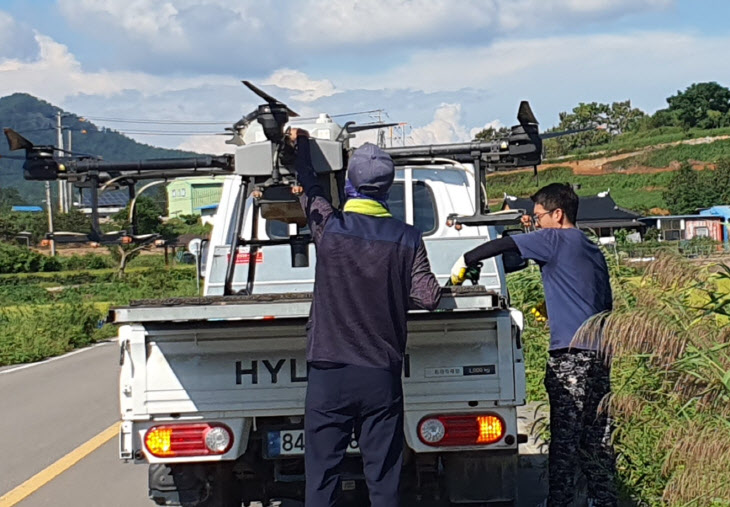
(224, 162)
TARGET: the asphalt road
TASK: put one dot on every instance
(50, 409)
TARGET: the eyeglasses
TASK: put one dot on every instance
(538, 216)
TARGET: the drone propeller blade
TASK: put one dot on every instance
(16, 141)
(525, 115)
(550, 135)
(268, 98)
(351, 127)
(11, 157)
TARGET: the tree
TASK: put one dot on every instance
(622, 117)
(615, 119)
(690, 190)
(73, 221)
(702, 105)
(491, 133)
(13, 223)
(147, 213)
(721, 181)
(122, 254)
(10, 197)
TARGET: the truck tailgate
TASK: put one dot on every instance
(256, 367)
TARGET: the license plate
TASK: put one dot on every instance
(291, 443)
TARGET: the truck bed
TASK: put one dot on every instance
(271, 306)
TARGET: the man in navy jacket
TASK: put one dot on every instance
(371, 268)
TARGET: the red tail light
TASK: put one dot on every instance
(453, 430)
(181, 440)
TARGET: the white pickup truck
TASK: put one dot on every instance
(212, 388)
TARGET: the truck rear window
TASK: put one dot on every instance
(424, 211)
(424, 207)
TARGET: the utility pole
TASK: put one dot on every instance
(69, 185)
(59, 145)
(377, 115)
(49, 207)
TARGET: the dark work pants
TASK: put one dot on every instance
(368, 401)
(580, 432)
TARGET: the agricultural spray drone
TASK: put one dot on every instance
(264, 162)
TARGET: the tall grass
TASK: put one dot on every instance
(669, 337)
(526, 292)
(671, 383)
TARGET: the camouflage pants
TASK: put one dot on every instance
(576, 382)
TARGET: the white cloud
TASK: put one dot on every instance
(295, 80)
(16, 39)
(209, 145)
(261, 36)
(495, 124)
(444, 93)
(562, 70)
(446, 127)
(56, 74)
(143, 19)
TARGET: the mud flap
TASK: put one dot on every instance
(473, 477)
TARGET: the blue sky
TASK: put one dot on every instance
(446, 67)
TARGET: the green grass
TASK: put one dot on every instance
(632, 141)
(80, 277)
(34, 332)
(711, 152)
(526, 292)
(638, 192)
(36, 323)
(671, 412)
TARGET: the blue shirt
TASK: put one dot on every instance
(575, 277)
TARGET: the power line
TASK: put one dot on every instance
(207, 122)
(168, 133)
(159, 122)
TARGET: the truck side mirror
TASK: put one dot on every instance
(513, 261)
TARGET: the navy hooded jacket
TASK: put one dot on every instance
(370, 271)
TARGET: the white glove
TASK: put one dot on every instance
(458, 272)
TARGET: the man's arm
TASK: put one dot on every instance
(314, 201)
(484, 251)
(425, 288)
(490, 249)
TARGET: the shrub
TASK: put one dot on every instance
(32, 333)
(17, 259)
(87, 261)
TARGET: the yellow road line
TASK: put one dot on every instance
(54, 470)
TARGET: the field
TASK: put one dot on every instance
(633, 168)
(634, 141)
(638, 192)
(47, 314)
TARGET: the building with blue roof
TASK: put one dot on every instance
(724, 212)
(27, 209)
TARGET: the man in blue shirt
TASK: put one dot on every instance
(577, 287)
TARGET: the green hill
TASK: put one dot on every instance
(36, 119)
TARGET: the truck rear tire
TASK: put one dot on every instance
(195, 485)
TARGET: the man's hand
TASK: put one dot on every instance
(458, 272)
(526, 221)
(295, 132)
